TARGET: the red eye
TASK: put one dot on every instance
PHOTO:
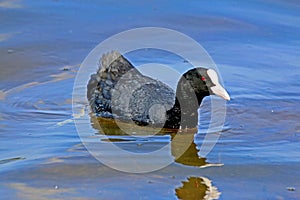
(203, 78)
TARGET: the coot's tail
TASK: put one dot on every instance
(112, 66)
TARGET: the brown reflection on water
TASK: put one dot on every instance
(197, 188)
(183, 148)
(190, 156)
(193, 187)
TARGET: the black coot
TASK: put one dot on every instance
(118, 90)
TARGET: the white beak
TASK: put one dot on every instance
(217, 89)
(220, 91)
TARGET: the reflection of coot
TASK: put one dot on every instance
(118, 90)
(197, 188)
(185, 151)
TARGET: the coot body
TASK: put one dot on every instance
(118, 90)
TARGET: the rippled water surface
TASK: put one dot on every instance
(255, 45)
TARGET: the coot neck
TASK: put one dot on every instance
(185, 115)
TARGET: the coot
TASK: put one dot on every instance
(118, 90)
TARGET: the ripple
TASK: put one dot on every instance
(11, 160)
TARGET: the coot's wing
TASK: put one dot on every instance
(119, 90)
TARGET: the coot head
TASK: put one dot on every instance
(202, 82)
(192, 87)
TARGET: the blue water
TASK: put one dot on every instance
(255, 45)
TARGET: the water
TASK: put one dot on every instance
(255, 46)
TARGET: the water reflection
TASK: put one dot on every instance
(193, 187)
(197, 188)
(184, 140)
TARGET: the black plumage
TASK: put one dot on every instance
(119, 90)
